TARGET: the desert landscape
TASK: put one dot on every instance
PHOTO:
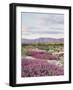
(42, 57)
(42, 44)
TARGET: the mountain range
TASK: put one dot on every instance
(42, 40)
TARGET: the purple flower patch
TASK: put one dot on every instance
(36, 68)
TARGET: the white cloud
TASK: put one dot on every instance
(33, 36)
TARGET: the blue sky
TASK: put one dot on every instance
(35, 25)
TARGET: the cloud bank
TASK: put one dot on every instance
(35, 25)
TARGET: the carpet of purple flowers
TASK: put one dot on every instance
(42, 54)
(35, 68)
(39, 65)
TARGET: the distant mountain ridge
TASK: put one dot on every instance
(42, 40)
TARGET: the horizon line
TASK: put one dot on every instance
(43, 37)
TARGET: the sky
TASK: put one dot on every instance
(37, 25)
